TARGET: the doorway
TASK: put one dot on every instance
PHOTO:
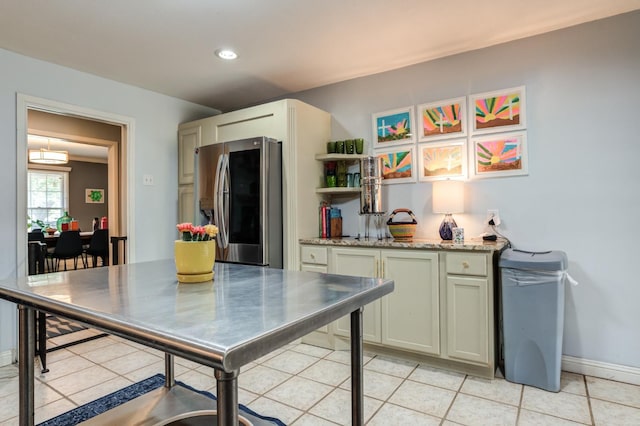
(116, 157)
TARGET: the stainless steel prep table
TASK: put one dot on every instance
(245, 313)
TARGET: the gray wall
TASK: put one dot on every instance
(581, 195)
(85, 175)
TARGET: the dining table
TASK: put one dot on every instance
(244, 313)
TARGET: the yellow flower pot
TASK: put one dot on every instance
(194, 260)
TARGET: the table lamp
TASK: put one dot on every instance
(448, 198)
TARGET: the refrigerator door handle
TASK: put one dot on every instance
(224, 200)
(217, 204)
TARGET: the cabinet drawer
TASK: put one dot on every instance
(313, 254)
(466, 264)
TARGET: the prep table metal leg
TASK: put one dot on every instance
(227, 385)
(357, 398)
(169, 379)
(42, 340)
(26, 354)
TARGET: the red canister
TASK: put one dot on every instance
(103, 223)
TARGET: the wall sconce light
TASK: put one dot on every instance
(448, 198)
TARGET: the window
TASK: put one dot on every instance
(47, 195)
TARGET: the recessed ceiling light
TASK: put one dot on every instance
(227, 54)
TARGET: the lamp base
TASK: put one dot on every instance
(446, 227)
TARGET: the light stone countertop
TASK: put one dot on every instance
(474, 245)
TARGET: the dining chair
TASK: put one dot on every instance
(37, 251)
(36, 235)
(98, 247)
(68, 246)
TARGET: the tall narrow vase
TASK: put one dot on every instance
(194, 260)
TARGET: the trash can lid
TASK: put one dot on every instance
(552, 260)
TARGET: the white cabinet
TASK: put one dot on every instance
(186, 212)
(410, 315)
(467, 318)
(313, 259)
(189, 138)
(408, 318)
(469, 301)
(442, 306)
(304, 131)
(364, 263)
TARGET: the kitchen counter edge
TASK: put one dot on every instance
(474, 245)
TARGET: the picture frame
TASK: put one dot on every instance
(94, 196)
(398, 165)
(446, 119)
(444, 160)
(393, 127)
(500, 155)
(498, 111)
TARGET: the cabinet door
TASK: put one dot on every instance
(186, 204)
(261, 120)
(410, 315)
(467, 318)
(188, 140)
(363, 263)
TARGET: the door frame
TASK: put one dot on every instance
(121, 221)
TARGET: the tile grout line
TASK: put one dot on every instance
(586, 387)
(444, 418)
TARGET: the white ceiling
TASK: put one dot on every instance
(284, 46)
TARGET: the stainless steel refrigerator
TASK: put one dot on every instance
(239, 189)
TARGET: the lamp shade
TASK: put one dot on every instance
(448, 196)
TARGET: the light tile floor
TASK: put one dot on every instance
(307, 385)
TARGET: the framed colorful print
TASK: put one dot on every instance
(442, 160)
(398, 165)
(392, 128)
(503, 154)
(499, 111)
(443, 119)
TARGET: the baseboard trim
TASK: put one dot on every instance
(603, 370)
(6, 358)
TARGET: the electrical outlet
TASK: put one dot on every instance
(493, 215)
(147, 180)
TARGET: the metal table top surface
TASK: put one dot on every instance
(244, 313)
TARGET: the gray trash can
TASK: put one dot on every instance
(533, 316)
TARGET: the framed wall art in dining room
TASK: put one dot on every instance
(498, 111)
(394, 127)
(93, 196)
(445, 119)
(398, 164)
(442, 160)
(500, 155)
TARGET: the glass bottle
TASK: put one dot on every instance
(63, 222)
